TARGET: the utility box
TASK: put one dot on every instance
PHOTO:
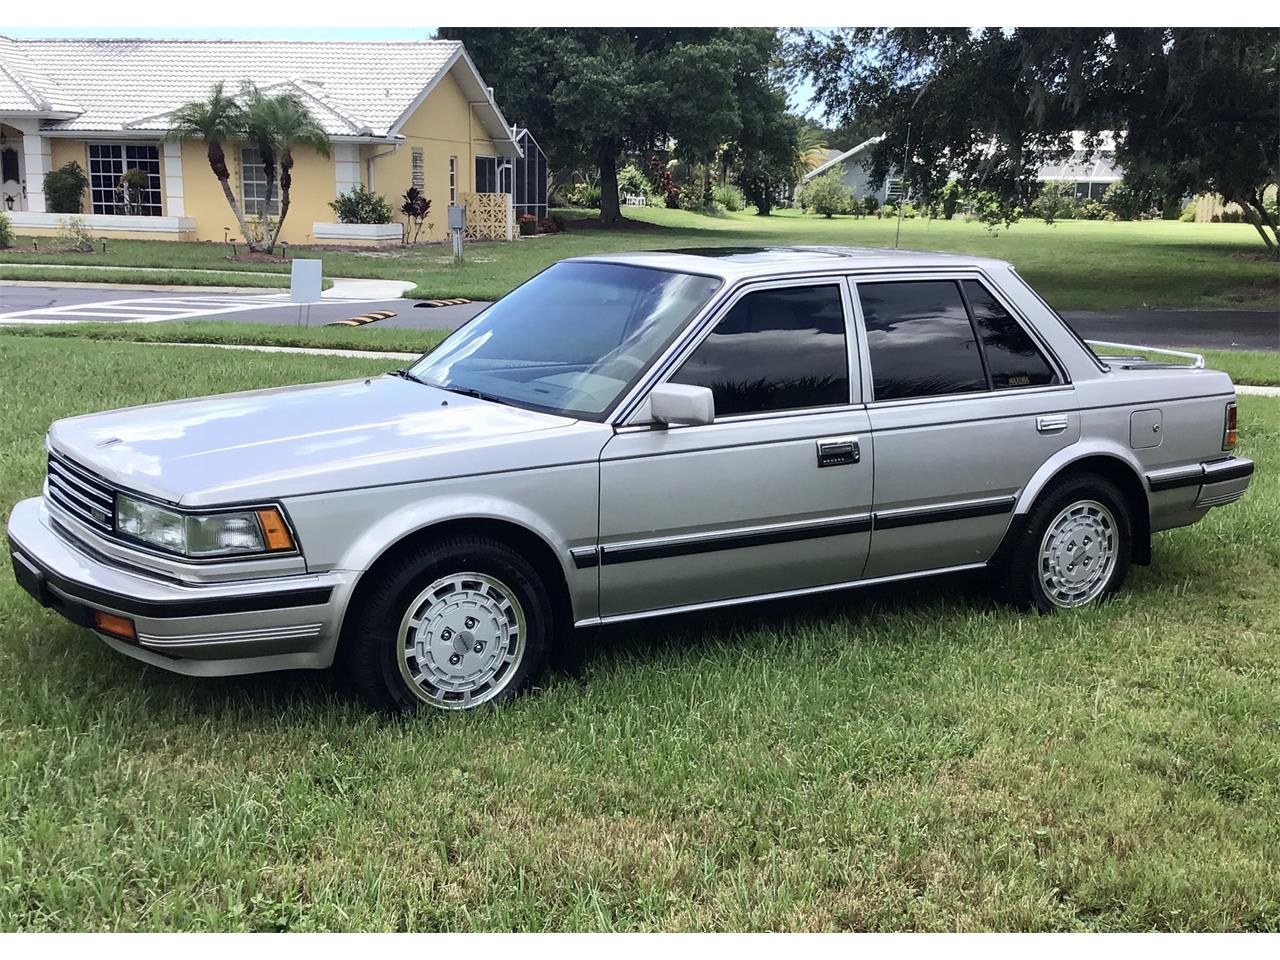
(306, 281)
(457, 216)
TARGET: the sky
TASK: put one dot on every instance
(799, 98)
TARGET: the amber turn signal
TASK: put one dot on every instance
(116, 626)
(1229, 432)
(274, 529)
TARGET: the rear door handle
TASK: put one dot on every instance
(837, 451)
(1051, 424)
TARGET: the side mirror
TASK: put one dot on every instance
(681, 403)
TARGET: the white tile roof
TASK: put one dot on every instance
(352, 88)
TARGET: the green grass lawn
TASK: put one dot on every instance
(167, 277)
(908, 758)
(1076, 265)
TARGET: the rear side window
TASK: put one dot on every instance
(1012, 357)
(919, 339)
(782, 349)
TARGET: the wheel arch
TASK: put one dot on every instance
(1113, 462)
(521, 537)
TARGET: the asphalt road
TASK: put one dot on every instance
(1209, 329)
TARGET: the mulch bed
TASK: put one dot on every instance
(44, 249)
(252, 257)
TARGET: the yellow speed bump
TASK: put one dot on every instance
(451, 302)
(360, 321)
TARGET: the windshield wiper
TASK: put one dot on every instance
(472, 392)
(406, 375)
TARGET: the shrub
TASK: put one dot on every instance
(729, 197)
(1091, 210)
(1188, 214)
(1057, 201)
(689, 197)
(528, 224)
(64, 188)
(74, 232)
(415, 206)
(582, 195)
(6, 231)
(827, 195)
(1125, 202)
(870, 205)
(550, 225)
(632, 181)
(360, 205)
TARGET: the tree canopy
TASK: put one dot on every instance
(1192, 110)
(591, 94)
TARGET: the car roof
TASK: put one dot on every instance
(744, 262)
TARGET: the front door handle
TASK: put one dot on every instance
(837, 451)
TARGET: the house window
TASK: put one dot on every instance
(108, 162)
(415, 175)
(486, 174)
(453, 179)
(253, 185)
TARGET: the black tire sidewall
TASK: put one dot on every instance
(385, 609)
(1025, 586)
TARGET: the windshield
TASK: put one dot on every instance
(572, 340)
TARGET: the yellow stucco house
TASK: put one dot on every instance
(396, 113)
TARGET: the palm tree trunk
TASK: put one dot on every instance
(218, 164)
(286, 182)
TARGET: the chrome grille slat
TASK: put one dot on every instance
(79, 493)
(67, 478)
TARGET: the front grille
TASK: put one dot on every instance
(88, 498)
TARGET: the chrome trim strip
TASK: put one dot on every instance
(943, 512)
(302, 631)
(777, 595)
(687, 544)
(1220, 499)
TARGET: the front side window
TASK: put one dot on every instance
(572, 340)
(919, 339)
(1012, 358)
(782, 349)
(110, 194)
(253, 185)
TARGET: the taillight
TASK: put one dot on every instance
(1229, 427)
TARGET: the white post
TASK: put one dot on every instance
(38, 159)
(173, 193)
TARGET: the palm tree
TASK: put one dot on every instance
(809, 154)
(285, 125)
(214, 120)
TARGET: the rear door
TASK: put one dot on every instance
(965, 404)
(775, 494)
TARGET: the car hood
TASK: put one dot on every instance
(306, 439)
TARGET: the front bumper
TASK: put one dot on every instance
(216, 629)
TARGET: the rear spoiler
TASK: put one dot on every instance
(1132, 362)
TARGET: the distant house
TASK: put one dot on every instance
(1090, 172)
(397, 114)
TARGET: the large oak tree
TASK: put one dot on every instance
(1192, 109)
(590, 95)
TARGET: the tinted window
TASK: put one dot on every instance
(920, 341)
(1012, 358)
(775, 350)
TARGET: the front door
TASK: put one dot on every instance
(965, 407)
(772, 497)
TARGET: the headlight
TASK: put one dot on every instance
(200, 535)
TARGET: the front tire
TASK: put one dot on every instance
(459, 623)
(1074, 549)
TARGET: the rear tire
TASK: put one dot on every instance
(459, 623)
(1074, 549)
